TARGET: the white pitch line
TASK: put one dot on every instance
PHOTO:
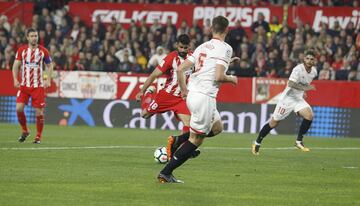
(350, 167)
(153, 147)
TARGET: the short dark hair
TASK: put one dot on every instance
(310, 52)
(30, 30)
(183, 38)
(219, 24)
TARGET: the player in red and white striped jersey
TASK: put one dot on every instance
(168, 98)
(31, 59)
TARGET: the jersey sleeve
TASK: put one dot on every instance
(166, 63)
(18, 54)
(224, 56)
(294, 76)
(47, 58)
(194, 56)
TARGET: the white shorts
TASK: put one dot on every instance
(203, 112)
(286, 105)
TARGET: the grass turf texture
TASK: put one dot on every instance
(68, 168)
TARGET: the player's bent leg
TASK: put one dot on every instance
(255, 148)
(174, 142)
(180, 156)
(308, 116)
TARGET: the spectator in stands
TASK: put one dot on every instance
(96, 64)
(275, 25)
(8, 60)
(259, 36)
(273, 61)
(112, 64)
(338, 63)
(155, 26)
(286, 71)
(4, 23)
(2, 60)
(260, 22)
(298, 47)
(156, 58)
(327, 73)
(124, 54)
(183, 29)
(242, 70)
(235, 35)
(141, 60)
(80, 63)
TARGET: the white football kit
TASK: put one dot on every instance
(292, 99)
(203, 88)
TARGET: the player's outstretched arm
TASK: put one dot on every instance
(221, 77)
(155, 74)
(15, 72)
(299, 86)
(181, 76)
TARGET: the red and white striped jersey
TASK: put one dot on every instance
(168, 66)
(32, 65)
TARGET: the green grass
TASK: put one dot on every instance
(226, 173)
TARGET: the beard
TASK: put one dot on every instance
(182, 54)
(33, 43)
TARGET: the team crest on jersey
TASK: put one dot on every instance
(228, 53)
(37, 57)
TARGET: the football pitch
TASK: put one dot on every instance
(114, 166)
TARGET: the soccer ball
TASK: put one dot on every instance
(160, 155)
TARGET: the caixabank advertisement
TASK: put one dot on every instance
(237, 118)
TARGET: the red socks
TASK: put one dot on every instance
(185, 129)
(22, 121)
(39, 123)
(39, 126)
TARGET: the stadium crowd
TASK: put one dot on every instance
(271, 49)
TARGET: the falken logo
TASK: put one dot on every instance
(330, 20)
(122, 16)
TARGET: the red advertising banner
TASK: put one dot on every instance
(316, 16)
(22, 11)
(249, 90)
(123, 13)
